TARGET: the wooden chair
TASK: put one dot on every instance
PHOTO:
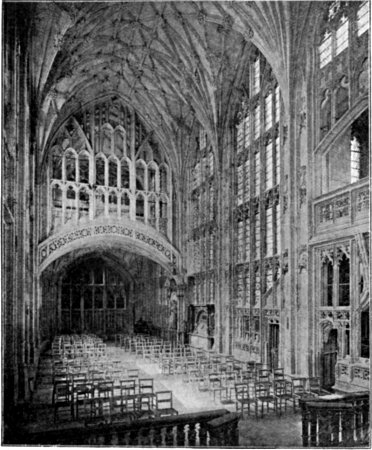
(133, 374)
(278, 374)
(81, 393)
(243, 398)
(127, 402)
(216, 385)
(62, 399)
(228, 381)
(164, 404)
(263, 395)
(146, 394)
(263, 375)
(105, 396)
(283, 392)
(299, 388)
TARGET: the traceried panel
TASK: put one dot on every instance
(201, 239)
(342, 54)
(257, 206)
(96, 170)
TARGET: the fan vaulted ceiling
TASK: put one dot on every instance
(174, 62)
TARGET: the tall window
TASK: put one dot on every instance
(355, 160)
(327, 292)
(364, 328)
(325, 50)
(256, 76)
(342, 35)
(362, 18)
(269, 166)
(335, 278)
(344, 282)
(268, 111)
(269, 232)
(257, 177)
(341, 75)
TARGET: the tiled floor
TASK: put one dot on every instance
(271, 431)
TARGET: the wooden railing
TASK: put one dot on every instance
(337, 422)
(202, 429)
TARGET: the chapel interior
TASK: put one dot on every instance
(186, 199)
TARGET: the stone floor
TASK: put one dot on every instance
(271, 431)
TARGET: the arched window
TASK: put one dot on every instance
(152, 210)
(327, 283)
(100, 203)
(57, 164)
(57, 207)
(70, 212)
(106, 139)
(119, 142)
(342, 37)
(84, 168)
(152, 178)
(113, 173)
(83, 204)
(100, 171)
(70, 165)
(344, 281)
(113, 204)
(140, 176)
(163, 180)
(163, 215)
(125, 174)
(125, 204)
(140, 207)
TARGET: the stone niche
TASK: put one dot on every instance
(201, 326)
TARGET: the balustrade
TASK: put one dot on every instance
(202, 429)
(336, 421)
(344, 207)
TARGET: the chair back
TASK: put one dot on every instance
(146, 385)
(164, 400)
(262, 389)
(241, 391)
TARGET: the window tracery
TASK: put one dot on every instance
(100, 174)
(201, 242)
(257, 206)
(342, 51)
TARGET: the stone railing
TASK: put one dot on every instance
(352, 376)
(336, 421)
(202, 429)
(344, 207)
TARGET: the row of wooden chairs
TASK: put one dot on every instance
(105, 400)
(279, 393)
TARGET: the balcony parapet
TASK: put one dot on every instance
(342, 208)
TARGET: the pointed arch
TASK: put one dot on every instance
(113, 171)
(84, 166)
(141, 169)
(70, 164)
(84, 203)
(100, 166)
(140, 207)
(100, 203)
(120, 142)
(125, 173)
(153, 177)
